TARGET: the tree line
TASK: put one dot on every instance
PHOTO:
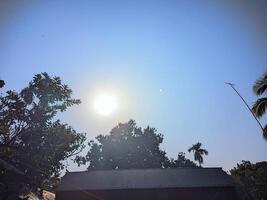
(33, 142)
(128, 146)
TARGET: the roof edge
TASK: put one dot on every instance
(144, 169)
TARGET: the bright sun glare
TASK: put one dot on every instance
(105, 104)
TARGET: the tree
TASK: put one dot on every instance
(129, 146)
(2, 83)
(259, 107)
(31, 139)
(198, 152)
(250, 180)
(182, 162)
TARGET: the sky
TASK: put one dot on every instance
(165, 61)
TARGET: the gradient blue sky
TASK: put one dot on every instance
(135, 48)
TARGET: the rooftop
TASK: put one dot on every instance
(145, 179)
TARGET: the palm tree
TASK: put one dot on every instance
(259, 107)
(198, 152)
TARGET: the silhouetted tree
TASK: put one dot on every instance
(198, 152)
(259, 107)
(2, 83)
(31, 139)
(128, 146)
(251, 180)
(182, 162)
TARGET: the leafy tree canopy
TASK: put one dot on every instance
(31, 139)
(129, 146)
(251, 180)
(181, 162)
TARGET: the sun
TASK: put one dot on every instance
(105, 104)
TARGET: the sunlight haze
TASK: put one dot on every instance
(105, 104)
(161, 63)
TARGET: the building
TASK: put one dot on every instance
(144, 184)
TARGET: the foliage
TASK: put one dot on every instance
(198, 152)
(129, 146)
(182, 162)
(31, 139)
(2, 83)
(259, 107)
(251, 180)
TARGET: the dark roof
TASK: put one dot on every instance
(145, 179)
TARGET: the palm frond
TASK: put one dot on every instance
(195, 147)
(190, 149)
(204, 151)
(265, 132)
(259, 107)
(198, 145)
(260, 86)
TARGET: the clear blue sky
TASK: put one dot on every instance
(186, 48)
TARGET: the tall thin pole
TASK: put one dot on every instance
(232, 86)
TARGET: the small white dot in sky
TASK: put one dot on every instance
(160, 90)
